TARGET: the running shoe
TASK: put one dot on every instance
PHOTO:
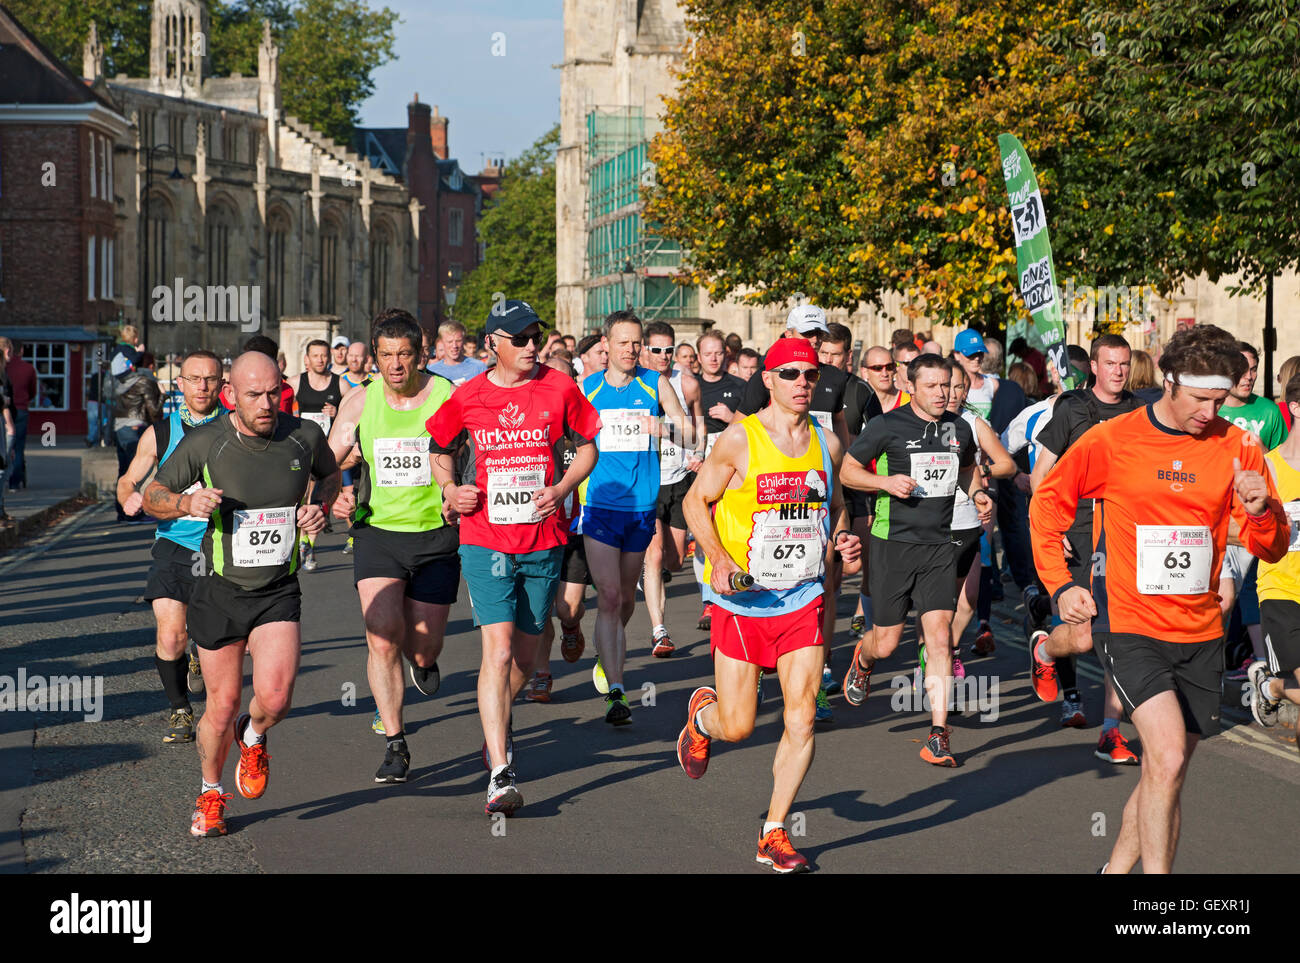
(984, 644)
(1041, 674)
(857, 681)
(571, 642)
(209, 817)
(308, 553)
(858, 624)
(663, 646)
(598, 678)
(347, 547)
(377, 724)
(618, 713)
(1113, 747)
(692, 745)
(690, 547)
(936, 750)
(1264, 709)
(180, 727)
(502, 796)
(1242, 672)
(958, 670)
(706, 618)
(510, 747)
(829, 682)
(824, 716)
(920, 657)
(539, 689)
(254, 763)
(1072, 711)
(426, 680)
(775, 850)
(194, 673)
(397, 763)
(1038, 607)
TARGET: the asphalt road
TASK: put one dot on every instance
(108, 796)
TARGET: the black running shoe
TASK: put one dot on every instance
(397, 762)
(619, 713)
(502, 795)
(426, 680)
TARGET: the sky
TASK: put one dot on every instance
(497, 104)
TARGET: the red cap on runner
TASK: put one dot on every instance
(789, 349)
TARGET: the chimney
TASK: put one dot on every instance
(438, 134)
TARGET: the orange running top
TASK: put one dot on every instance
(1161, 525)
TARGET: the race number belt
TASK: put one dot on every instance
(1173, 559)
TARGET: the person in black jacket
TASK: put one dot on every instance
(137, 405)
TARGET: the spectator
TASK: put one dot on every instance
(126, 352)
(1290, 368)
(138, 405)
(22, 383)
(1031, 356)
(1142, 380)
(1024, 376)
(993, 358)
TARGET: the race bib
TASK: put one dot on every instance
(623, 429)
(319, 417)
(708, 445)
(263, 536)
(402, 463)
(510, 496)
(784, 553)
(823, 418)
(1293, 516)
(935, 474)
(1172, 560)
(192, 518)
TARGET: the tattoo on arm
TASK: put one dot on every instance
(161, 502)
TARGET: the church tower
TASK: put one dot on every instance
(178, 46)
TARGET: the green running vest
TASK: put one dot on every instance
(398, 492)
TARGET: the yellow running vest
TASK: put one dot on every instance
(1281, 582)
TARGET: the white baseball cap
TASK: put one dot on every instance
(339, 340)
(805, 318)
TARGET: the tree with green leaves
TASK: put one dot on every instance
(518, 235)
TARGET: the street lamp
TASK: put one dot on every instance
(628, 275)
(175, 175)
(449, 295)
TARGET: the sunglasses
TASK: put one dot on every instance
(881, 367)
(522, 340)
(663, 349)
(792, 374)
(977, 356)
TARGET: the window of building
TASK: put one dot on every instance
(379, 254)
(50, 359)
(176, 132)
(90, 268)
(105, 268)
(103, 168)
(329, 249)
(157, 264)
(219, 229)
(455, 227)
(94, 171)
(148, 120)
(277, 236)
(108, 169)
(230, 142)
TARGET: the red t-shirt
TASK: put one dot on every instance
(514, 435)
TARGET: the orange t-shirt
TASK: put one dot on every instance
(1161, 524)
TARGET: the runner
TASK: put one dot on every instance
(511, 535)
(405, 567)
(253, 467)
(1170, 475)
(356, 377)
(318, 391)
(1279, 584)
(677, 466)
(618, 499)
(177, 544)
(1074, 414)
(912, 555)
(686, 358)
(454, 365)
(592, 355)
(766, 502)
(338, 352)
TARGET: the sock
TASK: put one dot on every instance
(936, 730)
(615, 687)
(498, 770)
(699, 726)
(251, 736)
(1072, 694)
(1109, 724)
(659, 630)
(769, 826)
(400, 737)
(209, 786)
(173, 680)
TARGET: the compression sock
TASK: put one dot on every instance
(173, 675)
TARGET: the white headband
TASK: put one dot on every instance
(1213, 382)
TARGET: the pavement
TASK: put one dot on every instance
(80, 796)
(55, 482)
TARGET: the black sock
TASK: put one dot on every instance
(398, 737)
(1066, 674)
(936, 730)
(173, 680)
(1072, 694)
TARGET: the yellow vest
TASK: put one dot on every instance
(1281, 582)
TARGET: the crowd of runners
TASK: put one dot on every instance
(1130, 515)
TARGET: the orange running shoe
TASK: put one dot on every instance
(209, 814)
(692, 745)
(571, 642)
(775, 850)
(1113, 747)
(1041, 674)
(539, 689)
(254, 763)
(936, 750)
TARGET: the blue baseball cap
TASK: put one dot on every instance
(969, 342)
(511, 317)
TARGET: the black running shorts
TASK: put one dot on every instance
(222, 613)
(967, 546)
(428, 562)
(172, 574)
(1280, 620)
(668, 508)
(1143, 667)
(573, 566)
(905, 574)
(859, 504)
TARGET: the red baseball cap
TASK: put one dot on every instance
(790, 349)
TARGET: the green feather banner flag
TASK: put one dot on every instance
(1034, 268)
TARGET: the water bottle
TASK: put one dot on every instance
(741, 581)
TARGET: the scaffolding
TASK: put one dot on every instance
(616, 166)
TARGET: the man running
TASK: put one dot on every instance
(252, 467)
(338, 349)
(1052, 656)
(356, 376)
(318, 391)
(678, 463)
(922, 453)
(177, 543)
(405, 563)
(619, 497)
(766, 503)
(1168, 477)
(454, 365)
(511, 534)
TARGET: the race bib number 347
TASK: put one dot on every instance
(1173, 560)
